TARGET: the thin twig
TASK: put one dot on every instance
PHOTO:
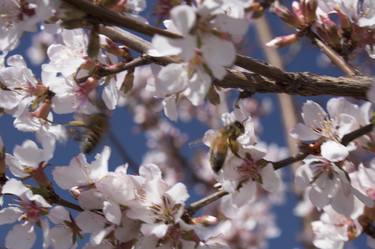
(335, 58)
(117, 68)
(195, 206)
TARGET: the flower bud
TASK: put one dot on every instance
(282, 41)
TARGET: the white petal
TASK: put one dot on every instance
(112, 212)
(233, 26)
(14, 187)
(245, 194)
(29, 154)
(271, 181)
(304, 133)
(20, 237)
(73, 175)
(159, 229)
(9, 215)
(150, 171)
(183, 17)
(58, 214)
(170, 107)
(217, 61)
(61, 237)
(334, 151)
(99, 167)
(90, 222)
(198, 87)
(313, 114)
(343, 203)
(178, 193)
(371, 93)
(163, 46)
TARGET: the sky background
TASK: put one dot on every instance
(307, 59)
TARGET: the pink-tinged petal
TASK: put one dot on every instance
(366, 112)
(171, 79)
(188, 47)
(371, 93)
(20, 237)
(363, 198)
(367, 175)
(233, 26)
(99, 168)
(271, 181)
(313, 114)
(39, 200)
(334, 151)
(110, 95)
(91, 199)
(29, 154)
(159, 229)
(302, 177)
(14, 187)
(98, 236)
(112, 212)
(183, 17)
(118, 188)
(73, 175)
(218, 61)
(64, 104)
(129, 231)
(10, 215)
(343, 203)
(304, 133)
(170, 107)
(163, 46)
(246, 194)
(90, 222)
(150, 171)
(198, 88)
(9, 99)
(178, 193)
(15, 166)
(318, 198)
(347, 124)
(337, 106)
(61, 238)
(58, 214)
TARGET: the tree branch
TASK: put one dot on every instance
(110, 17)
(267, 78)
(195, 206)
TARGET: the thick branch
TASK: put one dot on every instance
(110, 17)
(274, 80)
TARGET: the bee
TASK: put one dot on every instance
(94, 127)
(225, 138)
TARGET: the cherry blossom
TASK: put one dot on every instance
(329, 184)
(28, 211)
(18, 16)
(334, 229)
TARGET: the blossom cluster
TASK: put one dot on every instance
(87, 73)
